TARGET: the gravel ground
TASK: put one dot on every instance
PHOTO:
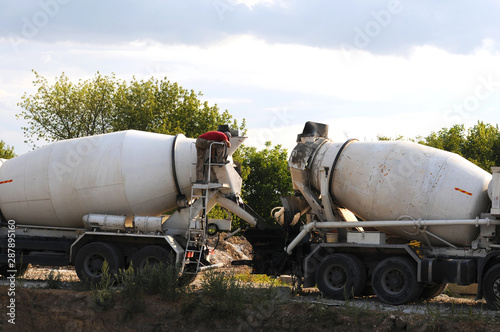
(443, 304)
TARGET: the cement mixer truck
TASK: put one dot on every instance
(397, 219)
(86, 200)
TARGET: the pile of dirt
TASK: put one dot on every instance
(37, 272)
(228, 250)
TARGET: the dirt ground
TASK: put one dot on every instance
(38, 309)
(67, 310)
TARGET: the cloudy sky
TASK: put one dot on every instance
(366, 68)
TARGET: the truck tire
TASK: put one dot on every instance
(394, 281)
(430, 291)
(151, 255)
(341, 276)
(491, 287)
(89, 260)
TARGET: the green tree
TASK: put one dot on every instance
(265, 178)
(66, 110)
(386, 138)
(163, 107)
(105, 104)
(452, 139)
(479, 144)
(6, 152)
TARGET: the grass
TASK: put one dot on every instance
(245, 297)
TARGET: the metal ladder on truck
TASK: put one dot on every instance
(198, 222)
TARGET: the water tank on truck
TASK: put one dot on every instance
(123, 173)
(394, 180)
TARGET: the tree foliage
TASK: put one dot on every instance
(64, 109)
(451, 139)
(265, 178)
(6, 152)
(386, 138)
(479, 144)
(163, 107)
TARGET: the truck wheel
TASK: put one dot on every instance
(491, 287)
(151, 255)
(394, 280)
(212, 229)
(340, 276)
(89, 260)
(432, 290)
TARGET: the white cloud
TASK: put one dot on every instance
(457, 26)
(251, 61)
(367, 96)
(363, 128)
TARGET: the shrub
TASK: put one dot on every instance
(102, 294)
(132, 292)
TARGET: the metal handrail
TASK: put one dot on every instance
(210, 157)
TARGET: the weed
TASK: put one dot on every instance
(54, 280)
(222, 296)
(161, 279)
(218, 298)
(348, 295)
(102, 294)
(132, 292)
(434, 316)
(217, 284)
(83, 285)
(20, 282)
(323, 313)
(497, 302)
